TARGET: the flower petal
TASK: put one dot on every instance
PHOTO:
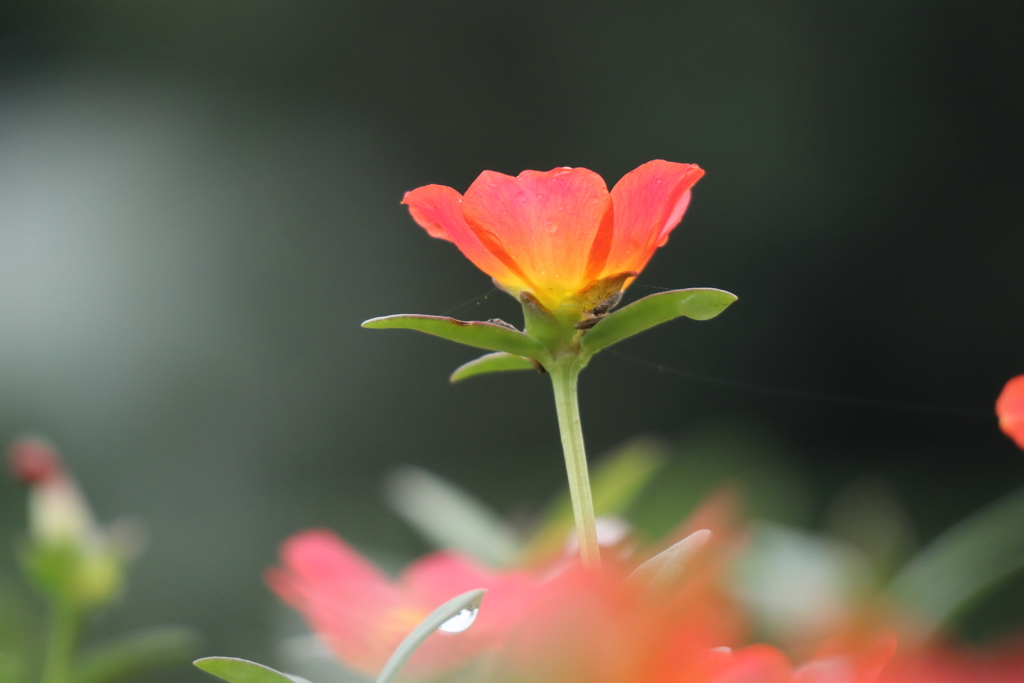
(546, 222)
(345, 599)
(437, 209)
(649, 202)
(1010, 409)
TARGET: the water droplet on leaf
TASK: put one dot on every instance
(461, 621)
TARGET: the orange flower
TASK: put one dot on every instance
(1010, 409)
(559, 234)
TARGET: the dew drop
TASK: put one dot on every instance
(461, 621)
(551, 227)
(521, 196)
(657, 181)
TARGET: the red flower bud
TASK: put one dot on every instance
(34, 461)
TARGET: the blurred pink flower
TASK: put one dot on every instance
(362, 615)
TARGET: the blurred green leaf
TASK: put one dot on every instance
(450, 517)
(21, 624)
(12, 668)
(664, 569)
(724, 455)
(136, 654)
(480, 334)
(615, 481)
(241, 670)
(465, 605)
(492, 362)
(963, 561)
(869, 514)
(643, 314)
(797, 585)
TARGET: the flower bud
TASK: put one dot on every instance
(69, 556)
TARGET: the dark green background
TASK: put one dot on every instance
(199, 205)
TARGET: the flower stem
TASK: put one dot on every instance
(564, 380)
(60, 645)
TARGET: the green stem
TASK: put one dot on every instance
(564, 377)
(60, 646)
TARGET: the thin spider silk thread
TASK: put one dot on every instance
(767, 389)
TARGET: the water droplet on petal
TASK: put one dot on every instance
(461, 621)
(521, 196)
(657, 181)
(540, 196)
(551, 227)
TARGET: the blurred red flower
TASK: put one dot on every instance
(362, 615)
(954, 664)
(593, 627)
(558, 234)
(1010, 409)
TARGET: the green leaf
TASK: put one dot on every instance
(241, 670)
(963, 561)
(465, 605)
(615, 482)
(698, 304)
(450, 517)
(664, 569)
(480, 334)
(137, 654)
(492, 362)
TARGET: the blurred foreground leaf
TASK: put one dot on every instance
(480, 334)
(466, 605)
(798, 585)
(643, 314)
(242, 671)
(450, 517)
(664, 569)
(492, 362)
(137, 654)
(616, 480)
(20, 623)
(963, 561)
(727, 455)
(869, 514)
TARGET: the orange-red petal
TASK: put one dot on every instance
(545, 222)
(649, 202)
(438, 210)
(1010, 409)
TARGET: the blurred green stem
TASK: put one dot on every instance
(60, 646)
(563, 377)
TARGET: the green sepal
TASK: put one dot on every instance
(241, 670)
(542, 325)
(698, 304)
(959, 565)
(499, 361)
(137, 654)
(467, 601)
(482, 335)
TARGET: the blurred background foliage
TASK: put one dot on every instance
(199, 205)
